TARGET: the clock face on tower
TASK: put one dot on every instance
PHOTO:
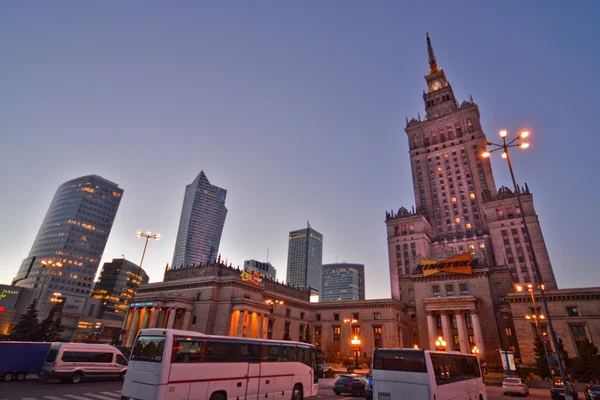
(436, 85)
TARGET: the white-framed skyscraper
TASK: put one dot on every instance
(201, 223)
(305, 259)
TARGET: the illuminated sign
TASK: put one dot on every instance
(252, 278)
(461, 264)
(1, 310)
(142, 304)
(7, 292)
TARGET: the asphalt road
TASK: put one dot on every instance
(33, 389)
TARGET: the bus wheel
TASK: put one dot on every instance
(217, 396)
(297, 392)
(21, 376)
(7, 377)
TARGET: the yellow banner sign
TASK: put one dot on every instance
(456, 265)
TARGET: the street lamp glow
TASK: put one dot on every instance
(519, 288)
(416, 347)
(527, 317)
(503, 133)
(475, 350)
(504, 154)
(524, 145)
(486, 154)
(524, 134)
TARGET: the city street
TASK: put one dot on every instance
(111, 390)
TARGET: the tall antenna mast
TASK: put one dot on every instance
(267, 254)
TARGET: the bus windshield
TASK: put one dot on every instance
(148, 348)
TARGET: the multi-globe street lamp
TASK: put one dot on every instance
(518, 142)
(440, 344)
(136, 280)
(356, 346)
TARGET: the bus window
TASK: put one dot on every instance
(249, 352)
(394, 360)
(186, 350)
(148, 348)
(270, 352)
(288, 353)
(217, 351)
(304, 355)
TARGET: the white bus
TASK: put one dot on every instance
(422, 374)
(169, 364)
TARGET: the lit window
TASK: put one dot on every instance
(468, 225)
(471, 247)
(472, 195)
(457, 220)
(481, 245)
(454, 199)
(446, 155)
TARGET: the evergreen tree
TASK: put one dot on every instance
(27, 328)
(563, 353)
(587, 365)
(55, 330)
(307, 338)
(543, 370)
(286, 336)
(44, 329)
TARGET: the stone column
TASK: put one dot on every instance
(186, 320)
(160, 323)
(132, 331)
(446, 332)
(240, 325)
(431, 331)
(265, 326)
(463, 338)
(232, 324)
(259, 331)
(154, 318)
(249, 326)
(145, 318)
(171, 321)
(478, 335)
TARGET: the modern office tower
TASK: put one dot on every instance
(263, 268)
(343, 281)
(67, 250)
(201, 224)
(116, 285)
(305, 259)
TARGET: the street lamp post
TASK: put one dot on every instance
(356, 345)
(536, 317)
(147, 235)
(518, 142)
(440, 344)
(54, 301)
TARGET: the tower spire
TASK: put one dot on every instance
(432, 61)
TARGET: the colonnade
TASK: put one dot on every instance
(249, 324)
(154, 317)
(463, 337)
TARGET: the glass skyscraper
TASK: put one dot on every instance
(343, 281)
(116, 285)
(201, 224)
(67, 250)
(305, 259)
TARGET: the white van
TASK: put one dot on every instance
(72, 362)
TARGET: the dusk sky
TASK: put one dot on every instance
(297, 108)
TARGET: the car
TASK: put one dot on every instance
(350, 383)
(592, 392)
(557, 391)
(325, 371)
(514, 385)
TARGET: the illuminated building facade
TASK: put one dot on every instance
(201, 223)
(343, 281)
(265, 269)
(305, 259)
(115, 287)
(459, 212)
(67, 250)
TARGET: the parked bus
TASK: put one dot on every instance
(169, 364)
(400, 374)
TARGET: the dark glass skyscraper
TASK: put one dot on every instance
(343, 281)
(201, 224)
(305, 259)
(69, 245)
(116, 285)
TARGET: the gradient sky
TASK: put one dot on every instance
(296, 108)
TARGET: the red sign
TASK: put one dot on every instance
(1, 310)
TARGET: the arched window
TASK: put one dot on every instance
(458, 129)
(415, 141)
(470, 127)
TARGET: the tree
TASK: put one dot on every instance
(543, 369)
(55, 331)
(44, 329)
(563, 353)
(587, 365)
(27, 328)
(307, 338)
(286, 336)
(332, 352)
